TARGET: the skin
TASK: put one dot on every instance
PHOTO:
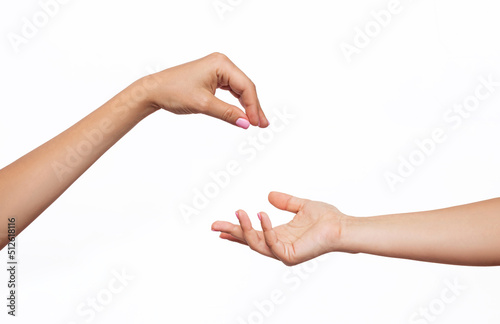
(462, 235)
(32, 183)
(465, 235)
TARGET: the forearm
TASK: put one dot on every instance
(464, 235)
(32, 183)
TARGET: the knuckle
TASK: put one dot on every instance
(219, 56)
(250, 242)
(227, 115)
(203, 104)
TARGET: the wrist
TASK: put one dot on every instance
(347, 234)
(137, 97)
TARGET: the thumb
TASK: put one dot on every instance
(286, 202)
(228, 113)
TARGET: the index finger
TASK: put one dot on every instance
(230, 77)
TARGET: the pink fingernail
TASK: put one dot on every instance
(259, 123)
(237, 216)
(243, 123)
(260, 217)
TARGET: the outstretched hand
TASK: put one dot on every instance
(190, 89)
(315, 229)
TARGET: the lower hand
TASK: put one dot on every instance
(315, 229)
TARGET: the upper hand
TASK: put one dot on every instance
(315, 229)
(190, 89)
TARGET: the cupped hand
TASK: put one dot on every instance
(315, 229)
(190, 89)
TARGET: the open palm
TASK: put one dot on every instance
(314, 230)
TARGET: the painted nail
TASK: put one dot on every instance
(243, 123)
(260, 217)
(237, 216)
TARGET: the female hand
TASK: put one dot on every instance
(315, 229)
(190, 89)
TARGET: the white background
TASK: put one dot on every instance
(352, 121)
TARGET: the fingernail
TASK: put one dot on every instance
(243, 123)
(237, 216)
(213, 230)
(258, 123)
(260, 217)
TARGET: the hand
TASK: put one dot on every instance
(316, 229)
(190, 89)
